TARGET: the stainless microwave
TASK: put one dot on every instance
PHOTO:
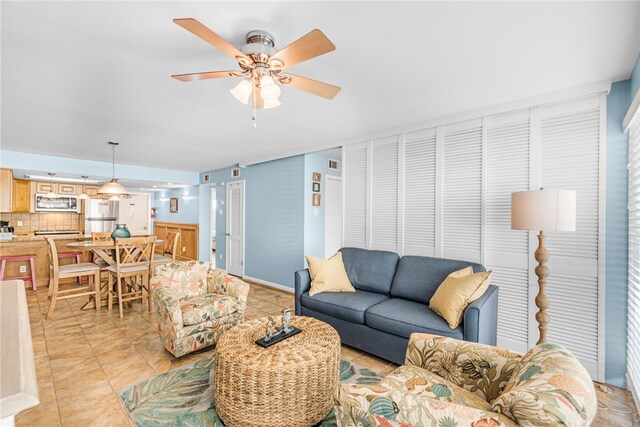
(56, 204)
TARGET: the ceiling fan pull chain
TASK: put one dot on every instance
(254, 118)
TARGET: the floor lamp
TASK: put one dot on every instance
(543, 211)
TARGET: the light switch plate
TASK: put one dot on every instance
(19, 223)
(23, 269)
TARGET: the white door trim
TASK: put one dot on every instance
(228, 218)
(326, 204)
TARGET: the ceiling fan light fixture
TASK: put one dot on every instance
(269, 90)
(242, 91)
(271, 103)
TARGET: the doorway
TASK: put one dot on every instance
(235, 228)
(332, 215)
(134, 211)
(214, 218)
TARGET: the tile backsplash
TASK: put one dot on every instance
(50, 221)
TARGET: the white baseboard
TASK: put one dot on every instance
(270, 284)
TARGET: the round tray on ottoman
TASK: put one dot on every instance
(290, 383)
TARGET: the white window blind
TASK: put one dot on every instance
(355, 195)
(570, 152)
(633, 341)
(384, 194)
(507, 250)
(420, 193)
(462, 191)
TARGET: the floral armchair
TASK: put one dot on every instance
(195, 304)
(447, 383)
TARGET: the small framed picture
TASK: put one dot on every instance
(316, 187)
(173, 205)
(316, 177)
(316, 200)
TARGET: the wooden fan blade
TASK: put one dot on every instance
(194, 26)
(207, 75)
(315, 87)
(306, 47)
(257, 99)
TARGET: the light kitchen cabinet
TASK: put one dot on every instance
(45, 187)
(90, 190)
(66, 189)
(6, 189)
(21, 196)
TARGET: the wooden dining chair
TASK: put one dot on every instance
(134, 257)
(170, 248)
(98, 238)
(57, 272)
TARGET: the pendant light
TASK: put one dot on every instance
(51, 194)
(113, 188)
(84, 195)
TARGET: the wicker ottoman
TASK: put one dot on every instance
(288, 384)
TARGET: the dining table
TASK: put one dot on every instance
(104, 250)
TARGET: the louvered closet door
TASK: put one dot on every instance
(507, 250)
(384, 194)
(419, 193)
(633, 353)
(355, 195)
(462, 191)
(570, 151)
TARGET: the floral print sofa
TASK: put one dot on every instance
(195, 304)
(450, 383)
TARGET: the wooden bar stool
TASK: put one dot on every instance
(57, 272)
(32, 266)
(170, 248)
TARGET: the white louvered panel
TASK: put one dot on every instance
(633, 340)
(462, 191)
(420, 193)
(573, 315)
(570, 151)
(562, 137)
(513, 303)
(507, 250)
(384, 194)
(355, 196)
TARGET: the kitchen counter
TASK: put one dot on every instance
(19, 238)
(28, 244)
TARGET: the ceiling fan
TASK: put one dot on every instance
(262, 66)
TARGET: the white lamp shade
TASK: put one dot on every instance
(269, 90)
(112, 188)
(544, 210)
(271, 103)
(242, 91)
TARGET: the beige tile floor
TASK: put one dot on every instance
(84, 357)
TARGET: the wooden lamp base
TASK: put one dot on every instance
(542, 302)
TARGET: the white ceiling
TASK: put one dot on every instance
(78, 74)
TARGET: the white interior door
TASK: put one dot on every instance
(134, 212)
(235, 228)
(332, 216)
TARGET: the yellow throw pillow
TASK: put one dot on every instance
(455, 294)
(328, 275)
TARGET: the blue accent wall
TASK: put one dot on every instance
(314, 216)
(616, 232)
(188, 206)
(274, 218)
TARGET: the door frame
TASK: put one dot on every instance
(149, 220)
(213, 213)
(228, 218)
(326, 204)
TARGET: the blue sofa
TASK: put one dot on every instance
(391, 302)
